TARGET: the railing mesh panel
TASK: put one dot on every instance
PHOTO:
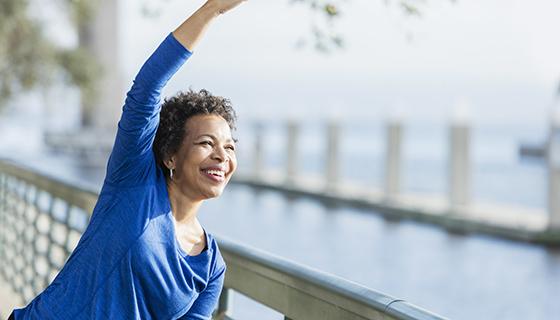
(38, 231)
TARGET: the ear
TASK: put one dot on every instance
(170, 162)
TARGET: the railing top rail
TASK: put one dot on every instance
(303, 278)
(73, 192)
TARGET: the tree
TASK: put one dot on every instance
(326, 38)
(28, 59)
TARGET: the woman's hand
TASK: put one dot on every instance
(191, 31)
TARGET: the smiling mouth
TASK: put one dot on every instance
(214, 174)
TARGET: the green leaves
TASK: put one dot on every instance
(331, 10)
(28, 59)
(324, 35)
(22, 51)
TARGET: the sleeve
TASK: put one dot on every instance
(132, 158)
(207, 301)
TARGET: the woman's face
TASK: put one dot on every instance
(206, 159)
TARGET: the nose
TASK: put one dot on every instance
(220, 154)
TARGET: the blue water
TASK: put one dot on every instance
(458, 276)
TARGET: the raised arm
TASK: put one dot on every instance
(132, 159)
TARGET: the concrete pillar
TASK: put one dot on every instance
(100, 36)
(258, 151)
(292, 128)
(553, 157)
(459, 163)
(393, 157)
(333, 136)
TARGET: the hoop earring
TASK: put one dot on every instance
(171, 174)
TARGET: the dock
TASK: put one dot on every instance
(511, 222)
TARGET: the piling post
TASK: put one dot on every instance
(459, 162)
(292, 128)
(393, 157)
(258, 150)
(333, 136)
(553, 160)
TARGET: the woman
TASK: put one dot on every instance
(144, 255)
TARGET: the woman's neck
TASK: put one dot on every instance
(183, 208)
(188, 231)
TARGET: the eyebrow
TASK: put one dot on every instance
(213, 137)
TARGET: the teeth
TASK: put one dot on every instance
(216, 172)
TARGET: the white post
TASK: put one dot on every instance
(333, 133)
(100, 37)
(459, 162)
(393, 158)
(291, 148)
(553, 156)
(258, 151)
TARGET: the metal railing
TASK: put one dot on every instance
(42, 218)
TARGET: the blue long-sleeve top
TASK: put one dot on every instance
(128, 263)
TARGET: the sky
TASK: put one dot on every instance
(494, 61)
(495, 58)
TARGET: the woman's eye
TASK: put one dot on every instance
(206, 143)
(232, 148)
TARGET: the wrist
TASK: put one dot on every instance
(211, 9)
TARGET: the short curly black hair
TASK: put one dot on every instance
(176, 110)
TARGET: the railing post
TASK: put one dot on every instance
(333, 135)
(225, 304)
(393, 158)
(291, 154)
(258, 151)
(553, 157)
(459, 163)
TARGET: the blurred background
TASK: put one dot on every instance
(66, 66)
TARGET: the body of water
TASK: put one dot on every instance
(457, 276)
